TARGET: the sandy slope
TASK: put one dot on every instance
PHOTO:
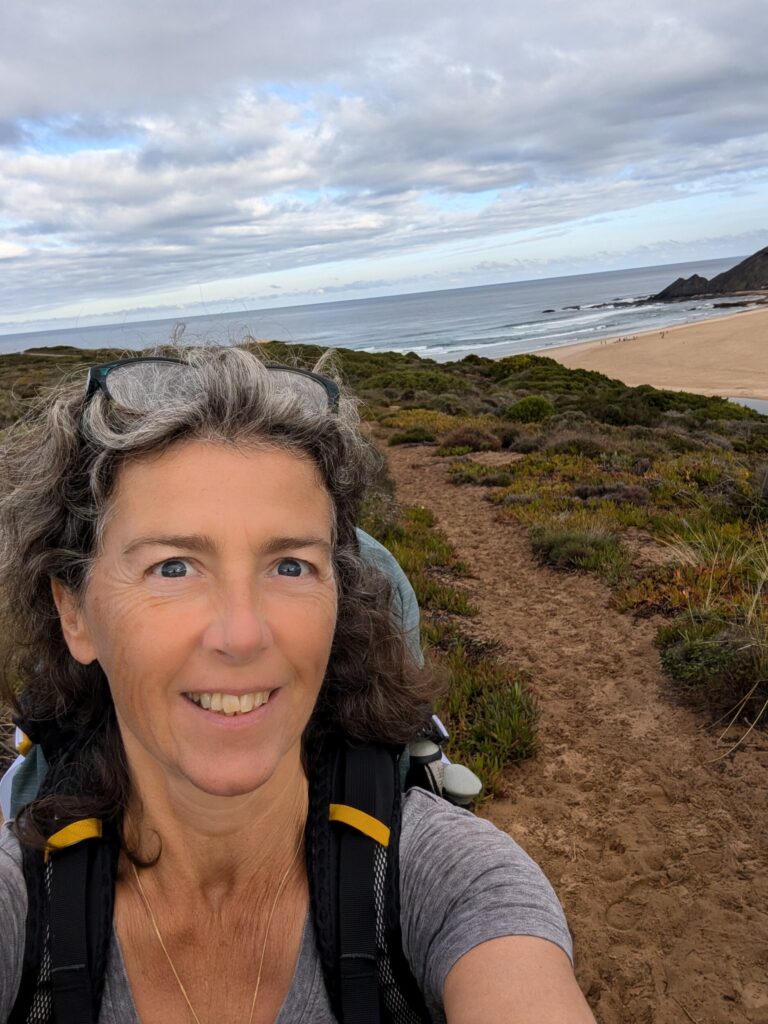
(727, 356)
(658, 857)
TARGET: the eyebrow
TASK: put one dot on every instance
(203, 544)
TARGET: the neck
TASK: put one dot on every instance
(217, 844)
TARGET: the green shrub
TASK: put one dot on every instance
(526, 445)
(472, 439)
(631, 493)
(718, 663)
(596, 550)
(415, 435)
(508, 435)
(495, 480)
(575, 444)
(516, 499)
(532, 409)
(452, 452)
(435, 382)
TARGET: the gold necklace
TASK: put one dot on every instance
(283, 882)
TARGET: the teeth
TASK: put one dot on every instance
(229, 703)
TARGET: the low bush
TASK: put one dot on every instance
(471, 438)
(415, 435)
(430, 419)
(449, 403)
(718, 663)
(467, 472)
(640, 467)
(495, 480)
(433, 381)
(516, 499)
(453, 452)
(508, 435)
(596, 550)
(531, 409)
(526, 445)
(576, 444)
(631, 493)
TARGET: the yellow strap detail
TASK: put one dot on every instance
(24, 745)
(86, 828)
(363, 822)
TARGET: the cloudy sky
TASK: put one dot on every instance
(161, 156)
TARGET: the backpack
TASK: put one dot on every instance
(352, 842)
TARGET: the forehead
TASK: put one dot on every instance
(213, 486)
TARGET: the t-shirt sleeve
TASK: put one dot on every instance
(463, 882)
(13, 914)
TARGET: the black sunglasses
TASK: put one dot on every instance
(142, 383)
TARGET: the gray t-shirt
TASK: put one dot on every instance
(462, 882)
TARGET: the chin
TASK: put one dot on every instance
(217, 781)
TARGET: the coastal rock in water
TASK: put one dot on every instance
(751, 275)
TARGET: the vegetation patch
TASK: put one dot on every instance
(720, 663)
(487, 706)
(532, 409)
(471, 438)
(429, 419)
(593, 549)
(632, 493)
(414, 435)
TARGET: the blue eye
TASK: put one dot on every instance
(290, 567)
(173, 568)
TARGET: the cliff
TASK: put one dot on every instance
(748, 276)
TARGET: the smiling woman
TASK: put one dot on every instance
(195, 629)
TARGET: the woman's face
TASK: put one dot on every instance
(211, 609)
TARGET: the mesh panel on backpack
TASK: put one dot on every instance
(395, 1003)
(41, 1008)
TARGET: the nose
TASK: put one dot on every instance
(239, 628)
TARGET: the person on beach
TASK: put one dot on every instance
(193, 618)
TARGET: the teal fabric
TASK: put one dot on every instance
(28, 777)
(406, 607)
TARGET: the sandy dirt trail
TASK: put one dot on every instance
(658, 858)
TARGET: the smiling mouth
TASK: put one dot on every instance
(230, 703)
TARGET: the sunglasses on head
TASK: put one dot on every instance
(145, 383)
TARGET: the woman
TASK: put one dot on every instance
(184, 580)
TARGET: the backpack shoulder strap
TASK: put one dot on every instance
(352, 847)
(68, 929)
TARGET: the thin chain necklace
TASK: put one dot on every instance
(283, 882)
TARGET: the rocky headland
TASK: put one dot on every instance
(748, 277)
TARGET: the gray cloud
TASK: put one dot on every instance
(144, 146)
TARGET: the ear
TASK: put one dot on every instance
(73, 625)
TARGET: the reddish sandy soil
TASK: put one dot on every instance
(655, 847)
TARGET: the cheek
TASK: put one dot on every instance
(309, 634)
(132, 641)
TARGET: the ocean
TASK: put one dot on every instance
(491, 320)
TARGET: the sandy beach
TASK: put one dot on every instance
(727, 356)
